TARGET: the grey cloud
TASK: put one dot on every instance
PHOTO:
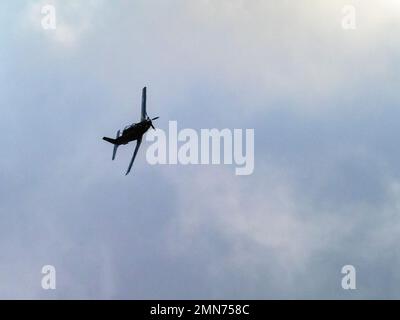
(325, 189)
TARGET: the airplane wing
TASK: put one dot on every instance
(143, 114)
(139, 141)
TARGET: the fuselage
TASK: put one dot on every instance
(133, 132)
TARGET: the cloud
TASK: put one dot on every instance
(324, 193)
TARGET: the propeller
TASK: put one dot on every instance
(151, 121)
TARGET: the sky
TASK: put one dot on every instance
(322, 101)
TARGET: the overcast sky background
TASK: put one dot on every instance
(324, 103)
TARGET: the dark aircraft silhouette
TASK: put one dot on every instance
(133, 132)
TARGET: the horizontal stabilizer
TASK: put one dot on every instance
(113, 141)
(116, 145)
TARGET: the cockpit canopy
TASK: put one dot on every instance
(130, 126)
(127, 128)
